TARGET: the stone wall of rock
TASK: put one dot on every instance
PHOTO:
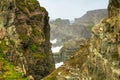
(99, 58)
(77, 30)
(70, 47)
(25, 37)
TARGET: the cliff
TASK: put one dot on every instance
(99, 58)
(25, 49)
(69, 47)
(80, 27)
(78, 30)
(92, 17)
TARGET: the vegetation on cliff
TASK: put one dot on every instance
(99, 58)
(24, 40)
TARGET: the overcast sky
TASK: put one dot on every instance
(70, 9)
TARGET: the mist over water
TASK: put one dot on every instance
(57, 65)
(56, 49)
(53, 41)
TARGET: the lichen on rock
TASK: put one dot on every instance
(24, 38)
(99, 58)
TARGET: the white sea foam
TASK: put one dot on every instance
(53, 41)
(57, 65)
(56, 49)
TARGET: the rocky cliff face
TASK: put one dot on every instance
(24, 39)
(99, 59)
(69, 47)
(77, 31)
(92, 17)
(80, 27)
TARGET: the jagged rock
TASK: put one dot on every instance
(79, 28)
(92, 17)
(25, 37)
(69, 48)
(99, 58)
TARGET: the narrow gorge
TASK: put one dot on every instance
(26, 51)
(99, 58)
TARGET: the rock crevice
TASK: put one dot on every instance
(99, 58)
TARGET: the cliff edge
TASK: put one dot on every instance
(25, 48)
(99, 58)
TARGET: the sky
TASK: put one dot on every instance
(70, 9)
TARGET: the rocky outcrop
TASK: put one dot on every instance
(92, 17)
(79, 28)
(25, 38)
(99, 58)
(69, 47)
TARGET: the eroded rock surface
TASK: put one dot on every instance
(25, 37)
(73, 34)
(99, 58)
(69, 47)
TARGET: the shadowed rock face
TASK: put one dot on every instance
(25, 36)
(113, 8)
(99, 58)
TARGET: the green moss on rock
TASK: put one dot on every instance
(8, 71)
(25, 6)
(24, 37)
(34, 47)
(21, 5)
(12, 42)
(25, 42)
(3, 47)
(42, 9)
